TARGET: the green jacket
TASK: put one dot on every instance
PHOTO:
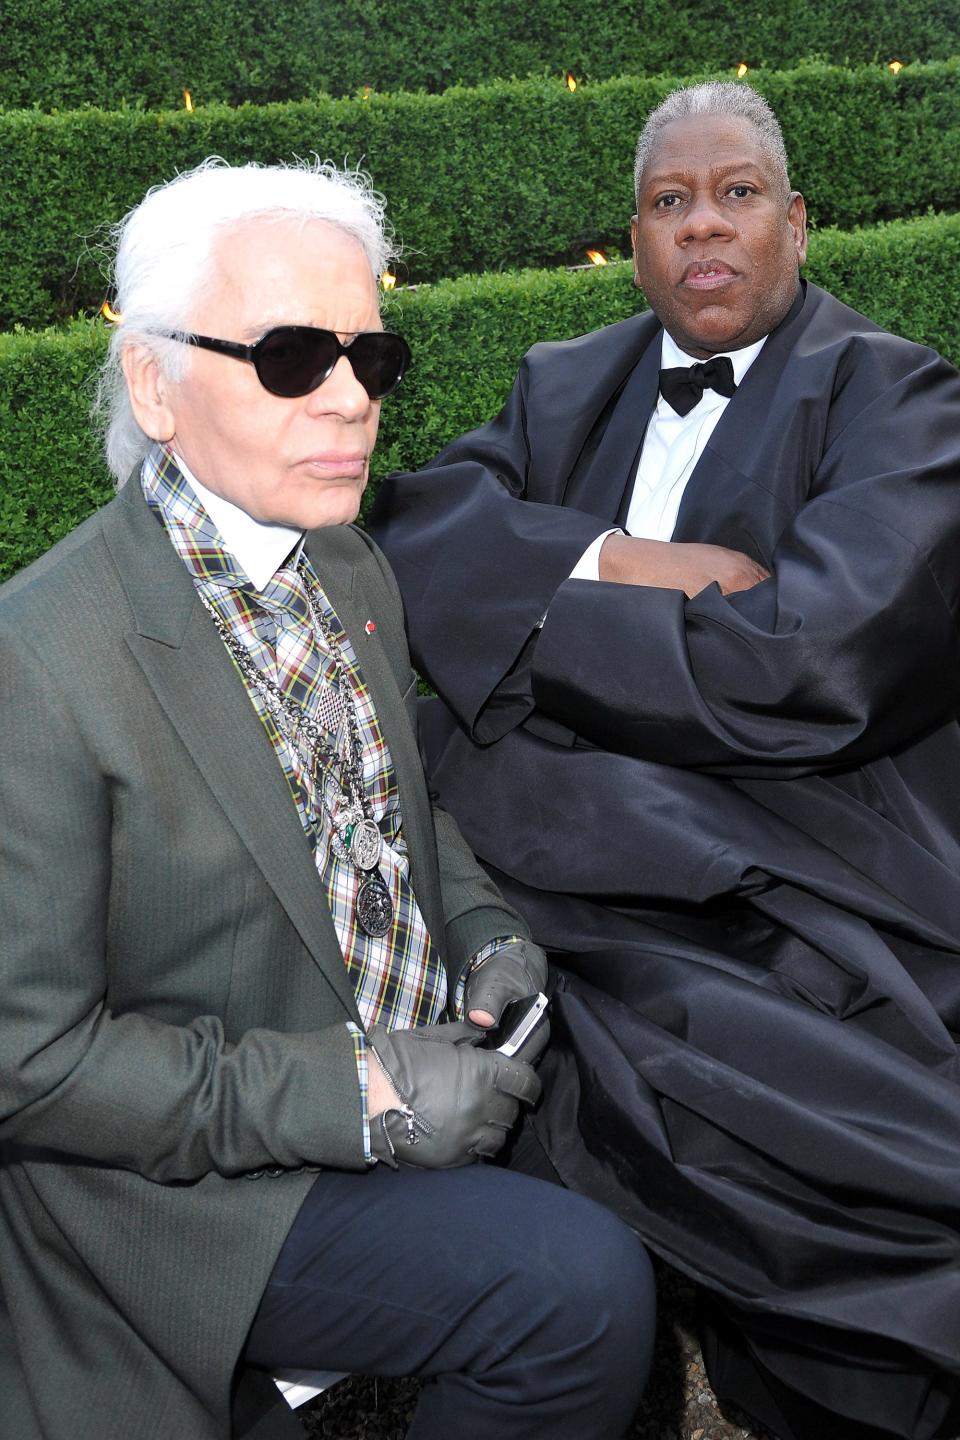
(172, 992)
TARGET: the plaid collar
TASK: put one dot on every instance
(197, 540)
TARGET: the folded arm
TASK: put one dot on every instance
(848, 651)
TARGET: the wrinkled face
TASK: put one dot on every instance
(301, 462)
(717, 240)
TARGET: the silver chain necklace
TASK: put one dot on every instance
(336, 769)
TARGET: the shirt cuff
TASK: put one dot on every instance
(588, 566)
(500, 943)
(363, 1077)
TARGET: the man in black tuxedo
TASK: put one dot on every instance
(690, 602)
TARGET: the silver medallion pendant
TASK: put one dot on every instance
(366, 844)
(374, 907)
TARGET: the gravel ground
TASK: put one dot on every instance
(679, 1404)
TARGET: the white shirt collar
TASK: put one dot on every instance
(260, 548)
(671, 356)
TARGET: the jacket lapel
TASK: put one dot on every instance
(606, 467)
(204, 699)
(750, 479)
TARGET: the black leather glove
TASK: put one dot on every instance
(513, 973)
(457, 1101)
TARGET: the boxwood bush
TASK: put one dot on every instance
(108, 52)
(513, 174)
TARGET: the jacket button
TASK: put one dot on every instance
(253, 1174)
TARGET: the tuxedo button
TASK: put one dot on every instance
(253, 1174)
(274, 1170)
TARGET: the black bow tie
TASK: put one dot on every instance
(683, 388)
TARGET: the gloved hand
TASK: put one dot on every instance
(513, 973)
(457, 1101)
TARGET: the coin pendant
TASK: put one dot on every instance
(374, 907)
(365, 845)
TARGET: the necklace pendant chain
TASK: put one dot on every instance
(336, 768)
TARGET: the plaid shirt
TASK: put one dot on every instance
(398, 979)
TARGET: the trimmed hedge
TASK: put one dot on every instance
(109, 52)
(467, 338)
(509, 175)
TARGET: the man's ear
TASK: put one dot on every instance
(149, 392)
(633, 247)
(797, 218)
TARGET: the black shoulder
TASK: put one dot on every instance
(831, 322)
(597, 348)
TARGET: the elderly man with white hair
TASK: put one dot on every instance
(238, 1113)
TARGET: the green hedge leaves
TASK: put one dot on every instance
(507, 175)
(109, 52)
(467, 336)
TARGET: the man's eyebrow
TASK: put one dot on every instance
(253, 332)
(667, 177)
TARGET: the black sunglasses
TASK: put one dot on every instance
(292, 360)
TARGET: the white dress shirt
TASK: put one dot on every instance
(671, 448)
(259, 547)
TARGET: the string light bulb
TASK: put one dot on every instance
(388, 280)
(597, 257)
(896, 66)
(187, 100)
(570, 80)
(742, 69)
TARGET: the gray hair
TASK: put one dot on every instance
(715, 97)
(164, 254)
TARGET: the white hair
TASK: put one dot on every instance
(164, 255)
(715, 97)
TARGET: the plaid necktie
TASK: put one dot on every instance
(304, 671)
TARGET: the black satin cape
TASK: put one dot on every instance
(736, 824)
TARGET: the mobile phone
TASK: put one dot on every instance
(516, 1024)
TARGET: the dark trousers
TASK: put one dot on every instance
(530, 1310)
